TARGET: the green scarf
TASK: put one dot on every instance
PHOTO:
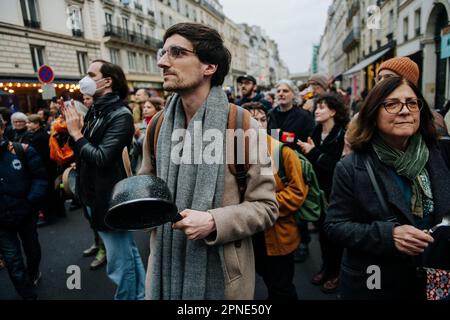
(410, 164)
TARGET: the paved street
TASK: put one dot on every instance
(62, 245)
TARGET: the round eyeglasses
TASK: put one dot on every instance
(174, 52)
(396, 106)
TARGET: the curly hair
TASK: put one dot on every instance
(335, 102)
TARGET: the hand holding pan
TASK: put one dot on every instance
(141, 202)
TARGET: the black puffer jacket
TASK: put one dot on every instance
(108, 128)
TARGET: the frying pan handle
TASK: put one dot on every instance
(177, 218)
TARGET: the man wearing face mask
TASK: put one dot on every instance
(98, 143)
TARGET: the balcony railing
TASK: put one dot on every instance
(131, 37)
(32, 23)
(77, 33)
(138, 6)
(351, 40)
(213, 10)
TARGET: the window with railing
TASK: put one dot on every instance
(138, 5)
(30, 13)
(125, 26)
(37, 57)
(417, 18)
(76, 21)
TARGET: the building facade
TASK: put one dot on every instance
(379, 30)
(67, 35)
(35, 33)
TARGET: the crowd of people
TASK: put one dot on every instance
(381, 162)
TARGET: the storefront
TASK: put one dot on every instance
(25, 93)
(362, 75)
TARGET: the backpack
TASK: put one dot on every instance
(20, 150)
(315, 202)
(238, 118)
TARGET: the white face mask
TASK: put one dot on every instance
(88, 86)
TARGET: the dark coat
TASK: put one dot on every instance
(259, 97)
(22, 136)
(444, 146)
(297, 121)
(325, 156)
(356, 221)
(108, 128)
(39, 141)
(23, 185)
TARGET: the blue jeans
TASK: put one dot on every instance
(124, 264)
(124, 267)
(11, 249)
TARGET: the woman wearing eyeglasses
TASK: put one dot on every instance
(380, 220)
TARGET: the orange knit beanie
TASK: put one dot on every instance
(404, 67)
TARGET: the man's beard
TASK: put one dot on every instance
(181, 86)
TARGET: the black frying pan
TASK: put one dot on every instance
(141, 202)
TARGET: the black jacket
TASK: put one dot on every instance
(297, 121)
(325, 156)
(39, 141)
(356, 221)
(444, 146)
(259, 97)
(22, 136)
(108, 128)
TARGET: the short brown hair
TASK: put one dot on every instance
(157, 102)
(208, 46)
(255, 106)
(36, 119)
(361, 133)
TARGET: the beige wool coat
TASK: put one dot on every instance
(235, 224)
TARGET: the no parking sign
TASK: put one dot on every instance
(46, 74)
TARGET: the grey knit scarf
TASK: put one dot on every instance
(186, 269)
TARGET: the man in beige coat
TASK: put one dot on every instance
(209, 253)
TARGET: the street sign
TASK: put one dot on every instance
(45, 74)
(48, 91)
(445, 43)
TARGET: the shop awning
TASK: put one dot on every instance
(366, 62)
(7, 79)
